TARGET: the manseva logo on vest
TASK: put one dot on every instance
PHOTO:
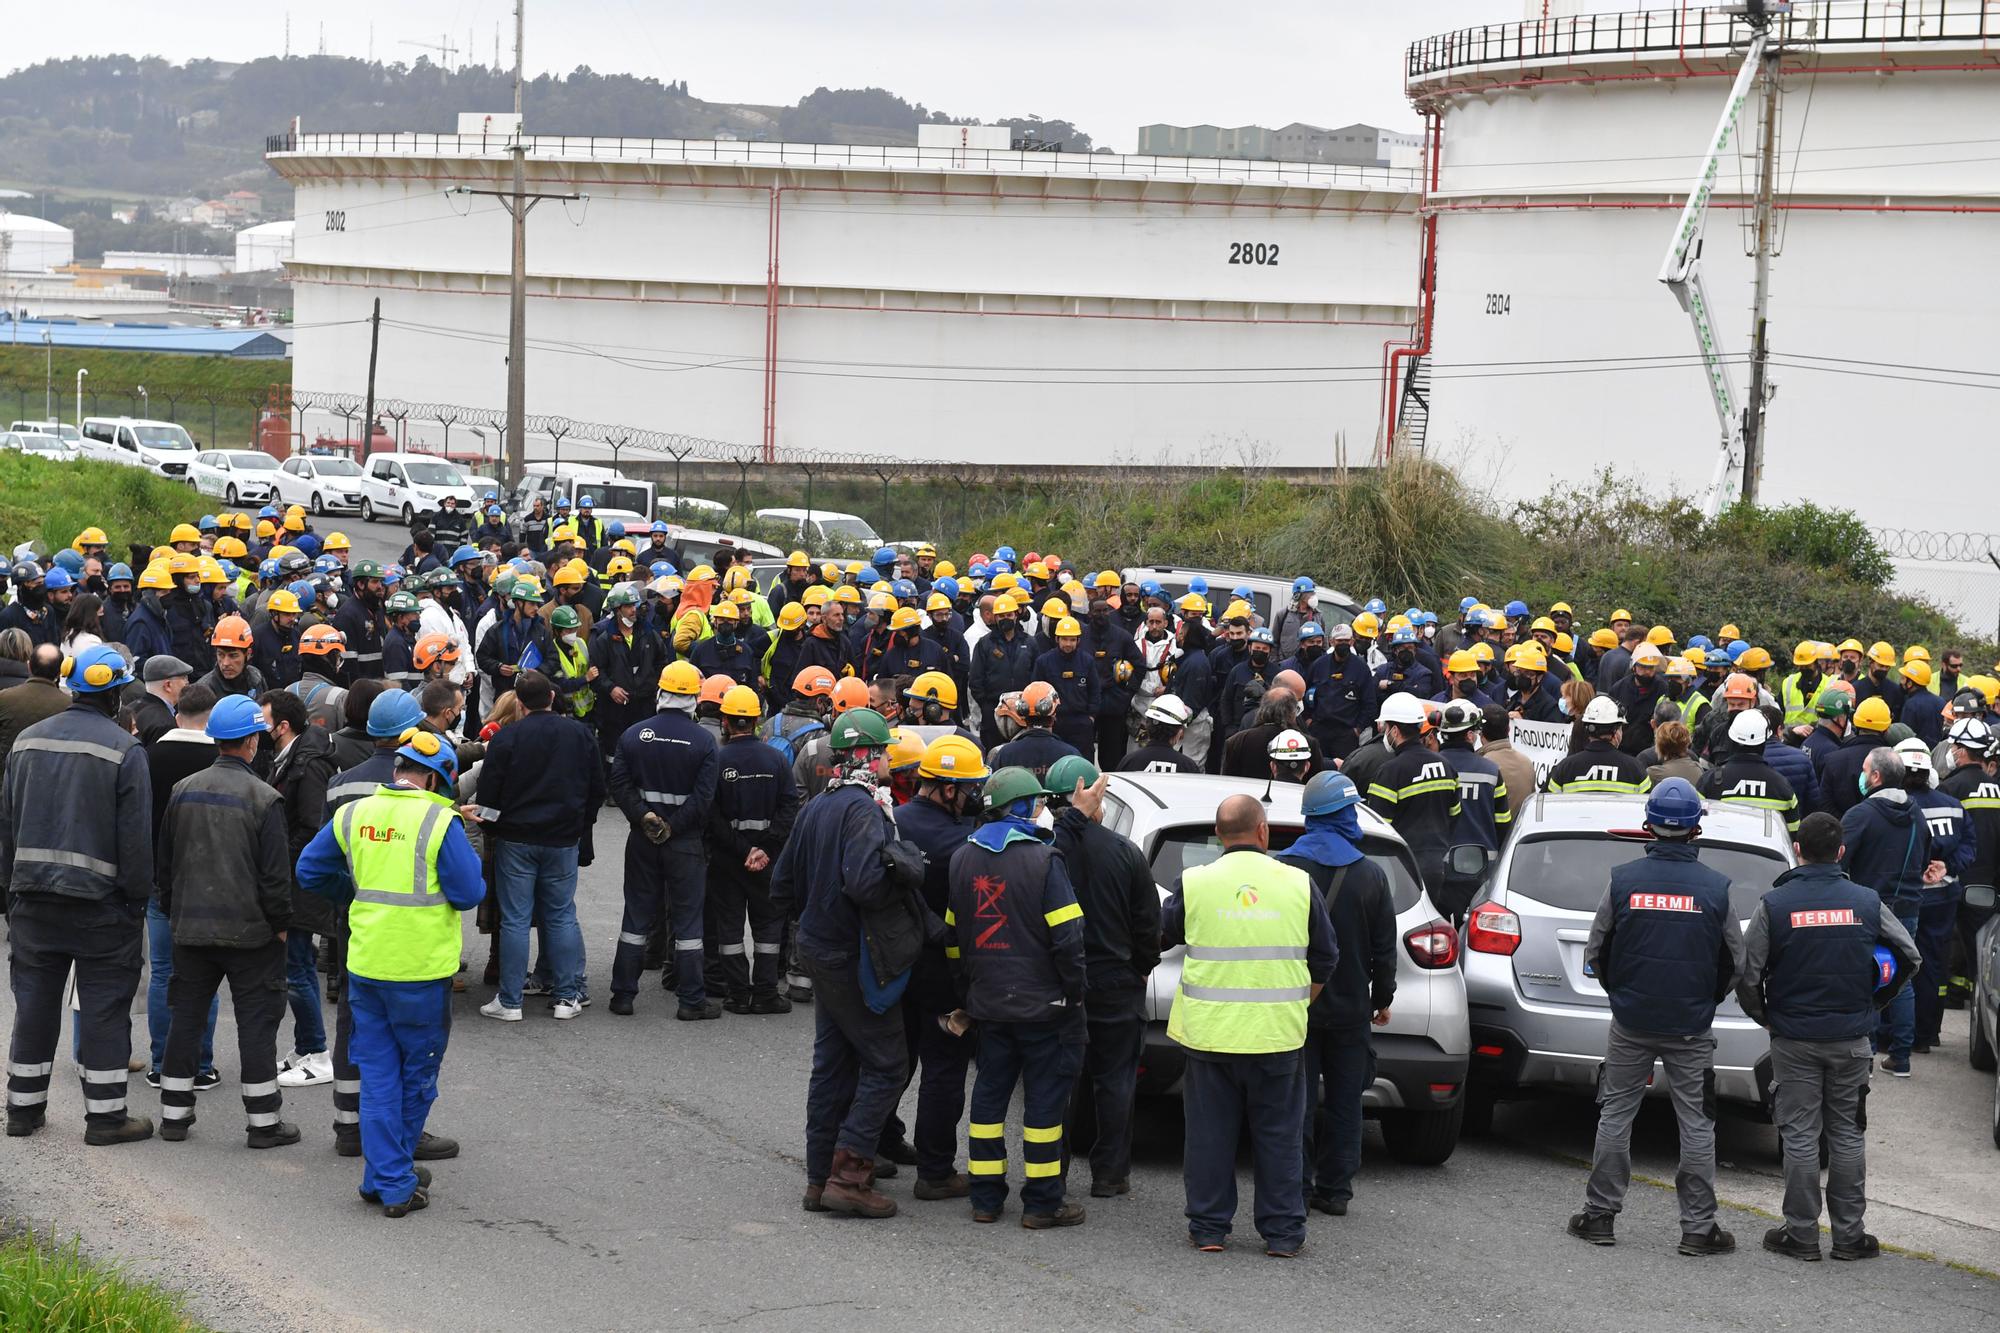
(376, 833)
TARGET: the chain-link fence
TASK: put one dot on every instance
(1957, 572)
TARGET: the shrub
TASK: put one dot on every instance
(52, 502)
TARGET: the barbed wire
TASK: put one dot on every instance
(1917, 544)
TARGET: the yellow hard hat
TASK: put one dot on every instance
(725, 611)
(211, 570)
(1482, 652)
(1462, 661)
(1563, 607)
(94, 537)
(681, 678)
(1565, 643)
(283, 601)
(266, 530)
(1988, 687)
(1006, 581)
(817, 595)
(568, 575)
(1036, 570)
(1106, 579)
(701, 574)
(1753, 659)
(156, 576)
(1918, 671)
(630, 547)
(1805, 654)
(1367, 625)
(180, 563)
(1399, 621)
(1659, 636)
(1728, 632)
(1005, 605)
(798, 560)
(1542, 623)
(229, 548)
(791, 615)
(336, 541)
(295, 523)
(1621, 614)
(1237, 611)
(847, 595)
(881, 601)
(1055, 608)
(906, 750)
(1532, 657)
(1604, 639)
(945, 570)
(1916, 652)
(565, 532)
(906, 617)
(1881, 654)
(741, 701)
(1680, 668)
(953, 758)
(618, 565)
(1872, 714)
(1850, 646)
(937, 601)
(1067, 628)
(184, 532)
(934, 686)
(1193, 604)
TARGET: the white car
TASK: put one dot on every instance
(235, 476)
(68, 434)
(818, 529)
(401, 486)
(690, 506)
(1420, 1055)
(161, 447)
(323, 483)
(39, 445)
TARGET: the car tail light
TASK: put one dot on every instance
(1492, 929)
(1432, 945)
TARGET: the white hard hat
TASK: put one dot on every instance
(1403, 708)
(1749, 727)
(1916, 757)
(1459, 715)
(1603, 711)
(1290, 747)
(1647, 652)
(1170, 709)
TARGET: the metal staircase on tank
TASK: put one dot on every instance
(1414, 413)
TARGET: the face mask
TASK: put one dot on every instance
(1562, 706)
(1310, 654)
(188, 586)
(1259, 656)
(1341, 652)
(1861, 784)
(726, 638)
(1405, 656)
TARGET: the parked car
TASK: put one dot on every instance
(698, 547)
(1983, 1050)
(1539, 1024)
(161, 447)
(615, 497)
(401, 486)
(690, 506)
(1420, 1056)
(1267, 595)
(819, 528)
(235, 476)
(324, 484)
(67, 433)
(35, 442)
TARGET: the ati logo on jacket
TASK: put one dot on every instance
(1663, 902)
(370, 833)
(987, 893)
(1828, 916)
(1751, 788)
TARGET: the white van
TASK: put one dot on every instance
(401, 486)
(161, 447)
(816, 529)
(614, 496)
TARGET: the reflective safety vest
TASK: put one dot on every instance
(1244, 985)
(1691, 709)
(401, 927)
(1798, 706)
(576, 668)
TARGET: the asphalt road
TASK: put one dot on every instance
(630, 1173)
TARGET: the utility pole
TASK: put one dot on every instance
(48, 377)
(517, 306)
(368, 408)
(1767, 185)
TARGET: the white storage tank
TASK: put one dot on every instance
(262, 247)
(32, 245)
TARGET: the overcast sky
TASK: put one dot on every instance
(1106, 65)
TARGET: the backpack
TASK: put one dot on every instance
(788, 743)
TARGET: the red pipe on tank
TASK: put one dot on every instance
(1426, 282)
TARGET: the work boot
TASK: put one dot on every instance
(435, 1148)
(22, 1124)
(417, 1202)
(423, 1183)
(1334, 1207)
(1779, 1240)
(281, 1135)
(898, 1150)
(176, 1131)
(738, 1004)
(1593, 1227)
(696, 1013)
(1068, 1215)
(848, 1189)
(1713, 1241)
(957, 1185)
(1110, 1189)
(134, 1129)
(1865, 1248)
(811, 1203)
(770, 1004)
(621, 1005)
(799, 991)
(347, 1140)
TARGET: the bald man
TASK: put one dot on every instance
(1259, 947)
(1247, 753)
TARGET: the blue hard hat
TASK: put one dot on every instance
(1673, 805)
(562, 502)
(1701, 641)
(1466, 604)
(1736, 649)
(1004, 553)
(902, 589)
(270, 511)
(884, 556)
(1261, 635)
(1377, 606)
(1198, 584)
(229, 569)
(660, 526)
(267, 568)
(27, 571)
(392, 713)
(304, 590)
(207, 523)
(1312, 629)
(1328, 793)
(121, 570)
(585, 502)
(1425, 618)
(1241, 592)
(521, 564)
(70, 560)
(980, 571)
(390, 576)
(1516, 609)
(1152, 588)
(1719, 657)
(234, 717)
(1885, 968)
(442, 760)
(97, 669)
(1001, 567)
(1404, 634)
(326, 564)
(616, 529)
(492, 495)
(660, 568)
(493, 511)
(58, 577)
(948, 586)
(1303, 584)
(463, 554)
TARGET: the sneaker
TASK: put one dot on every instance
(1895, 1068)
(494, 1009)
(1593, 1227)
(1713, 1241)
(417, 1201)
(536, 986)
(1865, 1248)
(1779, 1240)
(153, 1079)
(306, 1071)
(207, 1081)
(567, 1009)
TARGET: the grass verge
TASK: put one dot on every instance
(54, 1289)
(52, 502)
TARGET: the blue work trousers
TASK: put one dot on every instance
(1221, 1097)
(1898, 1032)
(302, 981)
(1044, 1059)
(535, 882)
(400, 1032)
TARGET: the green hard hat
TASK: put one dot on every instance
(565, 617)
(620, 596)
(368, 569)
(401, 603)
(859, 726)
(503, 583)
(1065, 772)
(1834, 703)
(1012, 784)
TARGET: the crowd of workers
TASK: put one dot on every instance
(876, 786)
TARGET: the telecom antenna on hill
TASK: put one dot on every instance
(1739, 471)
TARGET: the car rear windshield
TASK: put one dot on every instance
(1572, 871)
(1187, 846)
(611, 495)
(163, 437)
(252, 461)
(335, 467)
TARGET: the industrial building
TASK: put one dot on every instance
(264, 247)
(132, 337)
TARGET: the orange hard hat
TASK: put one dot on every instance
(814, 682)
(714, 687)
(433, 648)
(1039, 699)
(1739, 686)
(849, 693)
(231, 632)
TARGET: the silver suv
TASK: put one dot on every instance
(1539, 1023)
(1420, 1056)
